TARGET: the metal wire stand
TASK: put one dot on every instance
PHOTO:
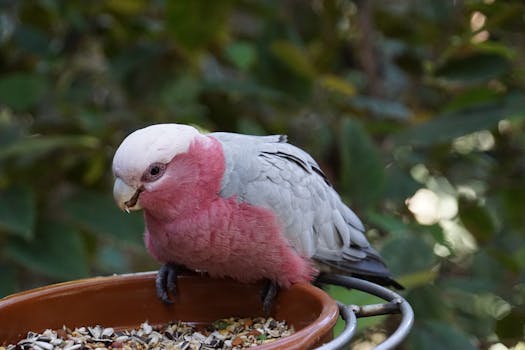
(349, 313)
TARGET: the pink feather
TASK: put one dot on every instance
(188, 223)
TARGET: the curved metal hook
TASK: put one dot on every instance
(346, 335)
(395, 304)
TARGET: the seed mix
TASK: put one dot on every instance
(230, 333)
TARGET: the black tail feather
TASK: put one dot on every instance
(372, 268)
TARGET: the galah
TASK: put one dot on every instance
(246, 207)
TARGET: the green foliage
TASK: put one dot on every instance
(390, 97)
(97, 213)
(355, 297)
(474, 68)
(440, 336)
(361, 166)
(56, 251)
(22, 91)
(17, 211)
(184, 21)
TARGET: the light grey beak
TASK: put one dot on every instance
(126, 196)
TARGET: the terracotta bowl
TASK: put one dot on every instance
(126, 301)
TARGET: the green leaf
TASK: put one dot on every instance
(32, 39)
(192, 26)
(22, 91)
(130, 60)
(472, 97)
(418, 278)
(8, 281)
(99, 214)
(362, 176)
(420, 256)
(436, 232)
(17, 211)
(243, 88)
(470, 284)
(399, 184)
(519, 257)
(110, 259)
(56, 250)
(39, 145)
(11, 129)
(513, 205)
(127, 7)
(388, 223)
(448, 126)
(241, 54)
(474, 68)
(182, 97)
(434, 335)
(497, 48)
(381, 108)
(336, 84)
(429, 300)
(510, 328)
(476, 220)
(294, 58)
(486, 267)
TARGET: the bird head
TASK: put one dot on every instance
(142, 159)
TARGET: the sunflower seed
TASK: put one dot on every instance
(230, 334)
(122, 338)
(44, 345)
(107, 332)
(73, 347)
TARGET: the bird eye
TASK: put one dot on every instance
(153, 172)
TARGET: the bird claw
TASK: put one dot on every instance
(269, 292)
(320, 283)
(166, 282)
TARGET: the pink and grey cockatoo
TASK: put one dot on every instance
(246, 207)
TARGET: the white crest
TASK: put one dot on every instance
(155, 143)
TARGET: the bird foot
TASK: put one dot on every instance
(320, 283)
(269, 292)
(166, 281)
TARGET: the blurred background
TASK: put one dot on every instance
(415, 109)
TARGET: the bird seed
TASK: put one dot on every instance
(230, 333)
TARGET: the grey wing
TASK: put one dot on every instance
(268, 172)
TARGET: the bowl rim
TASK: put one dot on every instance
(304, 338)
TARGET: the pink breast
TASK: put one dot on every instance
(189, 223)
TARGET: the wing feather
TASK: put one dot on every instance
(267, 171)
